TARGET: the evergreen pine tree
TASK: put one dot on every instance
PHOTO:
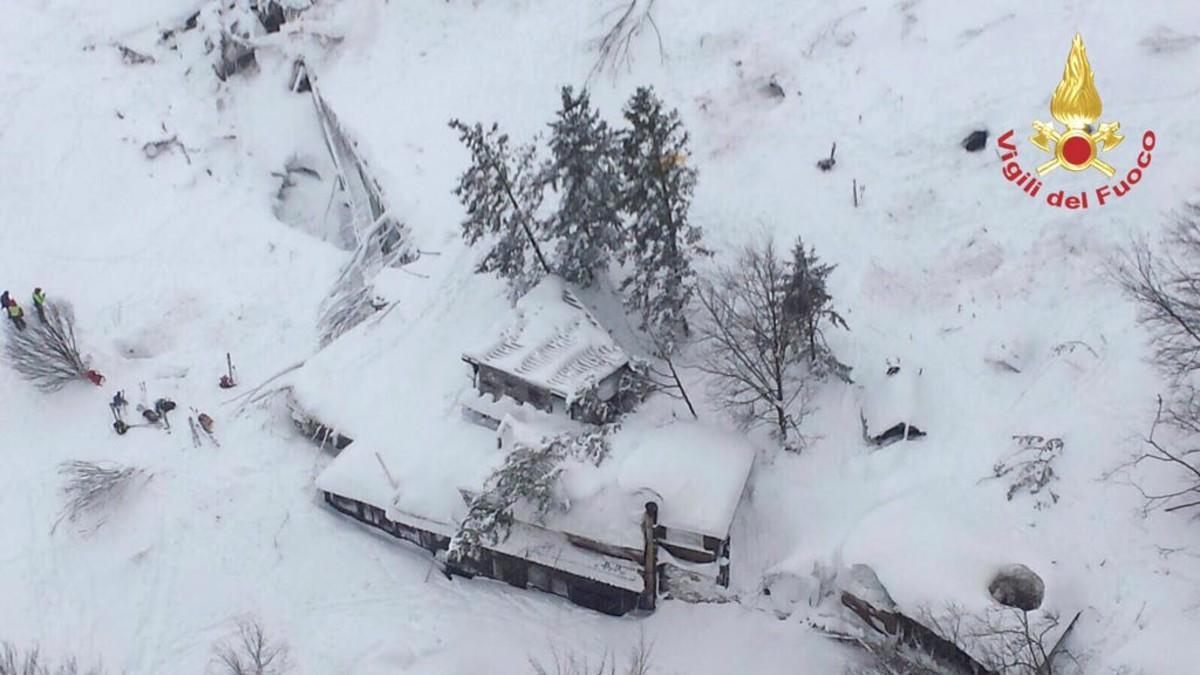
(808, 304)
(585, 171)
(657, 194)
(501, 191)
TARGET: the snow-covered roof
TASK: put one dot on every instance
(695, 473)
(553, 549)
(891, 399)
(414, 450)
(552, 342)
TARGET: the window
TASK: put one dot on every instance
(343, 503)
(538, 399)
(684, 538)
(539, 578)
(558, 586)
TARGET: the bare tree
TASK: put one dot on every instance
(1007, 641)
(45, 352)
(252, 652)
(754, 352)
(92, 487)
(1166, 287)
(1184, 492)
(14, 661)
(614, 45)
(573, 663)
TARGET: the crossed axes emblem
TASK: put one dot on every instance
(1106, 135)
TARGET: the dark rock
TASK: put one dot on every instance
(773, 89)
(1018, 586)
(975, 141)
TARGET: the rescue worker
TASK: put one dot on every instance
(16, 314)
(39, 303)
(163, 406)
(118, 404)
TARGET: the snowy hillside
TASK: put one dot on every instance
(1000, 302)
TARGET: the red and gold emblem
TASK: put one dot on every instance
(1076, 104)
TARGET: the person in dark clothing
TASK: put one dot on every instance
(163, 406)
(4, 300)
(118, 404)
(39, 303)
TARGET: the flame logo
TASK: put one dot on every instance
(1076, 103)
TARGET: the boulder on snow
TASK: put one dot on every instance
(975, 141)
(1018, 586)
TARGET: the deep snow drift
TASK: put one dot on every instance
(174, 261)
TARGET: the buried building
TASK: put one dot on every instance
(649, 516)
(553, 356)
(891, 408)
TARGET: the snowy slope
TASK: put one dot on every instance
(170, 263)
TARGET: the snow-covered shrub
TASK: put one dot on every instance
(45, 352)
(1031, 468)
(528, 478)
(251, 652)
(91, 488)
(229, 30)
(809, 306)
(529, 475)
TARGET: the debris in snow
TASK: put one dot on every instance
(191, 22)
(891, 406)
(1018, 586)
(92, 487)
(905, 633)
(773, 89)
(975, 141)
(133, 57)
(195, 434)
(227, 380)
(299, 81)
(614, 45)
(45, 353)
(1166, 40)
(153, 149)
(1031, 463)
(827, 163)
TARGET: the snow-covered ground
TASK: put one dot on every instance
(173, 262)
